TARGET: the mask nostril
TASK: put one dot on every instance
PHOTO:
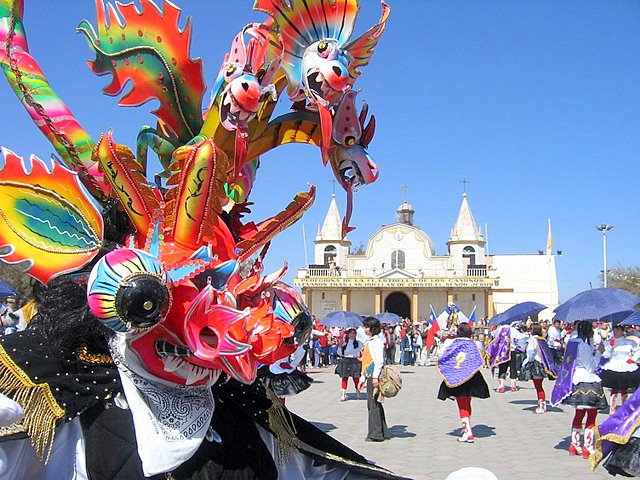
(209, 338)
(337, 71)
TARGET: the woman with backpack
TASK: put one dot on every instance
(372, 363)
(349, 364)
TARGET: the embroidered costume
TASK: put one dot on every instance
(538, 364)
(618, 440)
(459, 363)
(579, 386)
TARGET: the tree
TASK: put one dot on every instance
(359, 249)
(627, 278)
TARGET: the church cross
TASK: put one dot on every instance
(464, 182)
(334, 185)
(406, 192)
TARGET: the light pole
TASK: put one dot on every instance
(604, 228)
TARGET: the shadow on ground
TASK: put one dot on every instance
(325, 427)
(564, 444)
(534, 404)
(479, 431)
(400, 431)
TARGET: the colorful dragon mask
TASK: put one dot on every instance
(245, 80)
(245, 77)
(184, 310)
(319, 61)
(177, 289)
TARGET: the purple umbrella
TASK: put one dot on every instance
(517, 313)
(633, 319)
(598, 304)
(388, 317)
(342, 319)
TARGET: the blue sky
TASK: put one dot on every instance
(535, 102)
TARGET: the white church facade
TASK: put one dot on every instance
(400, 272)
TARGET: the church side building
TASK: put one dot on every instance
(400, 272)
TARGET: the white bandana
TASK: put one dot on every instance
(170, 420)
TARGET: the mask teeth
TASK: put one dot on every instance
(165, 349)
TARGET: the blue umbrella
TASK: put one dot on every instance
(342, 319)
(6, 290)
(388, 317)
(599, 304)
(633, 319)
(517, 313)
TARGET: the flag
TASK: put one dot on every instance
(549, 240)
(434, 327)
(432, 315)
(472, 317)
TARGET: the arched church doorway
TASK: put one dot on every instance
(398, 303)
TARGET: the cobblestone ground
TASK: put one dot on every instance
(510, 441)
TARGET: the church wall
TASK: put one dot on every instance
(465, 301)
(331, 302)
(363, 301)
(531, 277)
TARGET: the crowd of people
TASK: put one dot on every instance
(581, 362)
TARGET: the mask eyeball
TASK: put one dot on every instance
(350, 141)
(322, 47)
(231, 72)
(128, 292)
(143, 300)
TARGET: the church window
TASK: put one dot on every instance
(470, 253)
(329, 254)
(397, 259)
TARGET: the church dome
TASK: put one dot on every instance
(405, 213)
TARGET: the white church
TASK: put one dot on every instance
(400, 271)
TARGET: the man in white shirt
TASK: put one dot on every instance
(555, 337)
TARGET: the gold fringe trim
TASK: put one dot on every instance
(93, 358)
(596, 457)
(17, 427)
(281, 425)
(41, 411)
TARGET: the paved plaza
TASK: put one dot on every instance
(510, 441)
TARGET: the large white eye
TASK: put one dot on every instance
(128, 291)
(324, 49)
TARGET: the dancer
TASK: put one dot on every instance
(619, 366)
(579, 386)
(349, 365)
(372, 363)
(459, 363)
(538, 364)
(503, 354)
(618, 440)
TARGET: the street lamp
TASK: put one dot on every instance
(604, 228)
